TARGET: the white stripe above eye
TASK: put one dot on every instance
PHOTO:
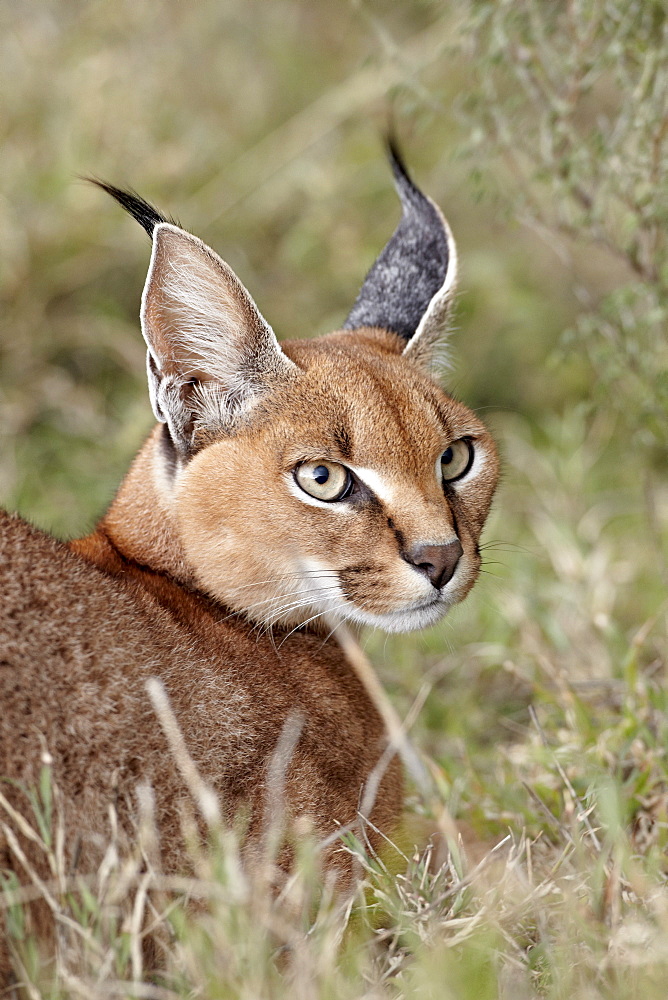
(378, 484)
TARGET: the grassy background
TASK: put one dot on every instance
(258, 126)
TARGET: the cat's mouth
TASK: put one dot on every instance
(338, 596)
(413, 615)
(407, 619)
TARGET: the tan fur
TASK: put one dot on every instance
(344, 380)
(217, 576)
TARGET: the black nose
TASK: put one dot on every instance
(439, 562)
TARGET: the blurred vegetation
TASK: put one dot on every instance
(542, 130)
(258, 126)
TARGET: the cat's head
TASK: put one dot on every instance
(318, 479)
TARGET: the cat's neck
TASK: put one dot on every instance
(140, 525)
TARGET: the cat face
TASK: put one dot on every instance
(358, 491)
(319, 480)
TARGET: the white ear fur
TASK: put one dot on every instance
(433, 327)
(210, 351)
(410, 287)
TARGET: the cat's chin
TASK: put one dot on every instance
(406, 620)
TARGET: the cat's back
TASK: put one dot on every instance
(77, 646)
(58, 606)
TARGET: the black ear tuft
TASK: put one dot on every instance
(146, 215)
(413, 267)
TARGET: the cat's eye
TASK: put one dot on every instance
(326, 481)
(456, 460)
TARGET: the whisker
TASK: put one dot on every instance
(301, 624)
(278, 597)
(286, 578)
(292, 593)
(332, 631)
(275, 614)
(279, 612)
(505, 546)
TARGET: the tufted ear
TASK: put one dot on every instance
(410, 288)
(211, 354)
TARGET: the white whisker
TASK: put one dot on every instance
(287, 577)
(276, 598)
(305, 603)
(313, 618)
(273, 617)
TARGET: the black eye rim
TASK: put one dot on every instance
(348, 486)
(467, 468)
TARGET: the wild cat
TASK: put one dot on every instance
(285, 488)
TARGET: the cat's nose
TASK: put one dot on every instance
(438, 562)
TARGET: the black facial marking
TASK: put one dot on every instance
(362, 496)
(360, 581)
(440, 411)
(459, 518)
(399, 535)
(371, 501)
(455, 523)
(342, 438)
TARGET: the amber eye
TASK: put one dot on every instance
(456, 460)
(324, 480)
